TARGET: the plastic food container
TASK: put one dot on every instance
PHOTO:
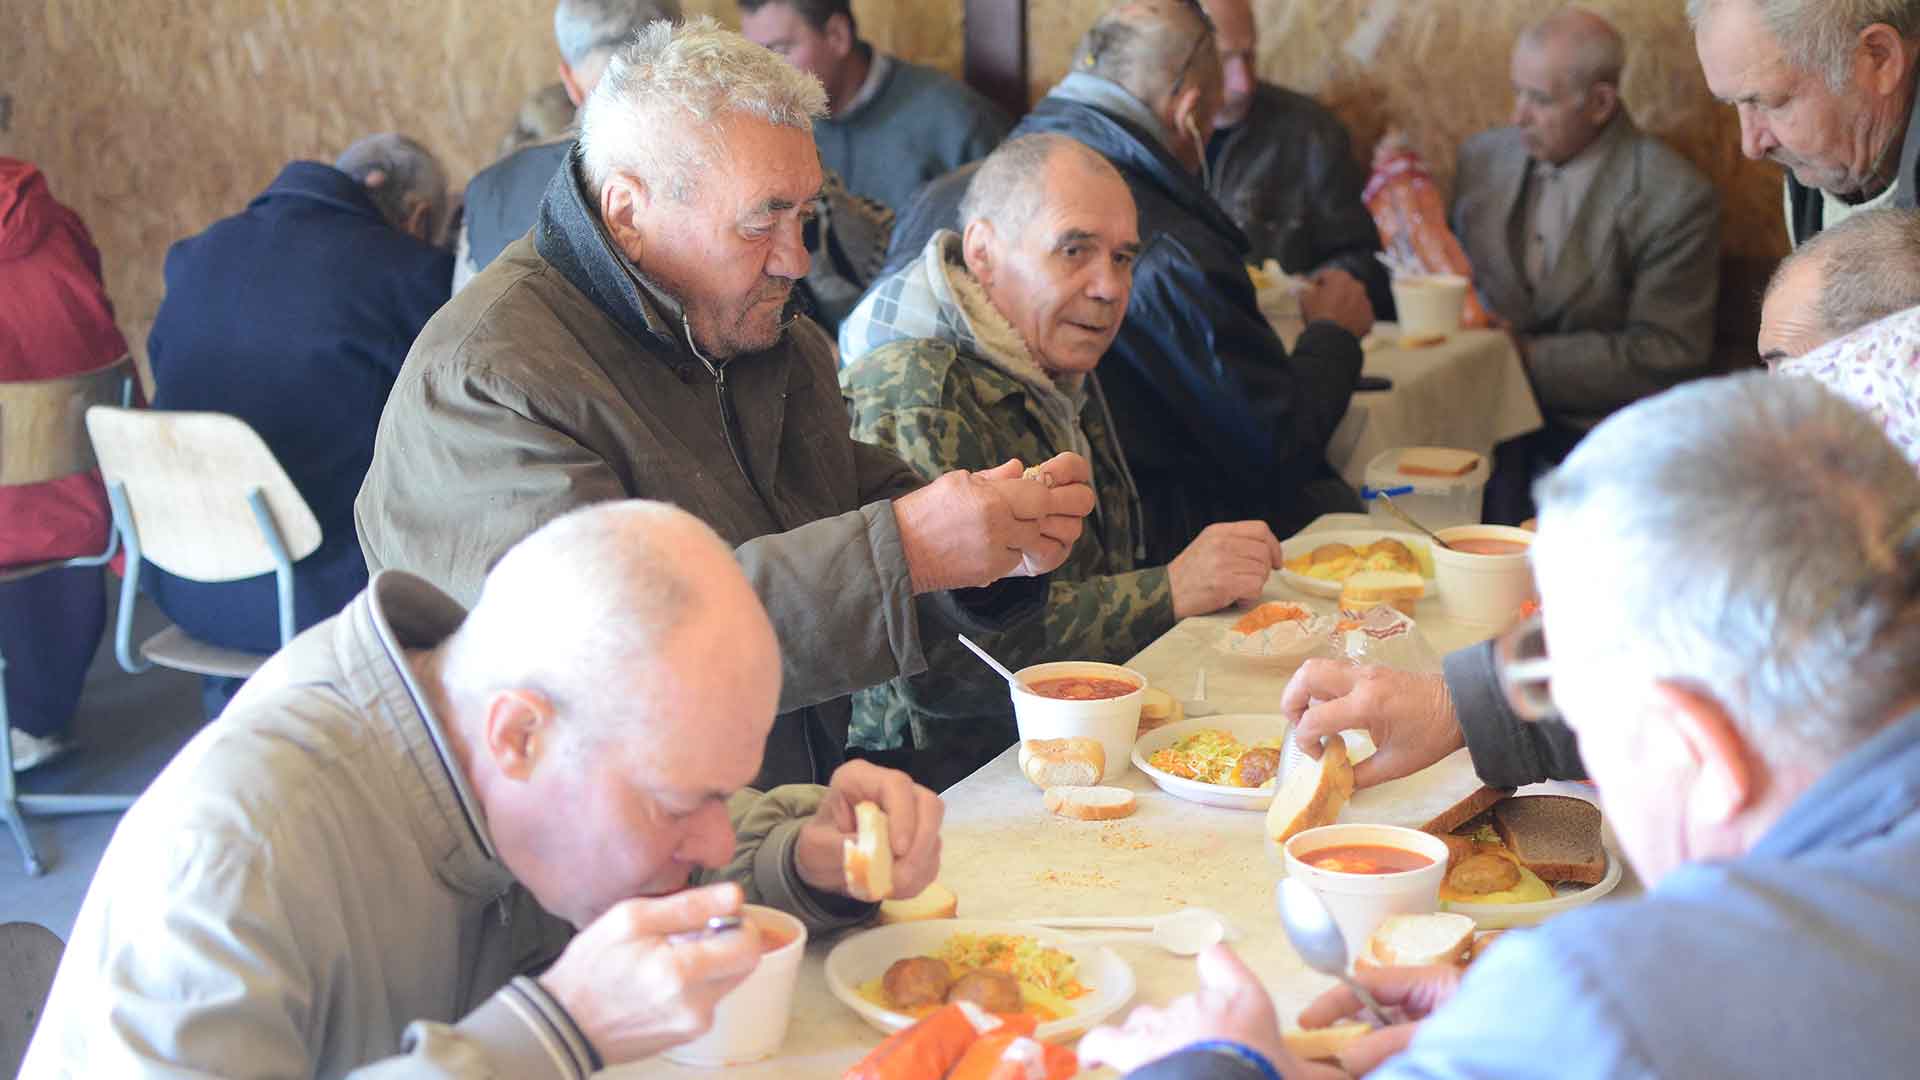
(1429, 306)
(1113, 721)
(750, 1022)
(1434, 501)
(1489, 590)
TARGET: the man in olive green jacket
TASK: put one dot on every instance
(636, 344)
(988, 348)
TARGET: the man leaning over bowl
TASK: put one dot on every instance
(455, 844)
(984, 349)
(1730, 576)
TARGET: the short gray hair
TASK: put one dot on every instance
(1148, 46)
(653, 109)
(1869, 268)
(1819, 36)
(1757, 539)
(1598, 53)
(583, 28)
(397, 173)
(1007, 188)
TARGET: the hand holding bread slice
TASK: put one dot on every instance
(1312, 794)
(868, 857)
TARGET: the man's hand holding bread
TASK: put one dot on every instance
(1416, 991)
(1410, 716)
(913, 825)
(968, 529)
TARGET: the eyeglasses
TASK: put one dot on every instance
(1524, 670)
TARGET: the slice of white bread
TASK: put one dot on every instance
(868, 858)
(1437, 461)
(1441, 937)
(1323, 1044)
(1158, 709)
(1312, 793)
(936, 901)
(1090, 803)
(1368, 589)
(1555, 836)
(1062, 762)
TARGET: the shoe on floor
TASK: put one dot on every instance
(31, 751)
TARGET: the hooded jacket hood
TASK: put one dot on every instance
(27, 209)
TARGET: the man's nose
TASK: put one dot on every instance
(709, 841)
(1522, 115)
(789, 258)
(1756, 138)
(1109, 283)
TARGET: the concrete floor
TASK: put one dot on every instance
(128, 727)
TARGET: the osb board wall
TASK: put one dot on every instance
(1438, 70)
(154, 118)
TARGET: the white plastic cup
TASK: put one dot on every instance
(1487, 590)
(1359, 903)
(750, 1022)
(1430, 305)
(1113, 721)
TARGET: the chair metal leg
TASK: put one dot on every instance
(129, 583)
(9, 803)
(18, 826)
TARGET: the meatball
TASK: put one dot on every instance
(1255, 767)
(1484, 873)
(994, 991)
(916, 981)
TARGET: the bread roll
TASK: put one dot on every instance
(1323, 1044)
(1059, 762)
(936, 901)
(868, 858)
(1441, 937)
(1157, 709)
(1370, 588)
(1313, 794)
(1090, 803)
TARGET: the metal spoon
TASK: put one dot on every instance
(1316, 937)
(991, 662)
(1186, 932)
(1402, 515)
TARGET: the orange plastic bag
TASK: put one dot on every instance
(1007, 1056)
(1412, 218)
(931, 1048)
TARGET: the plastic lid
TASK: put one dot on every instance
(1383, 474)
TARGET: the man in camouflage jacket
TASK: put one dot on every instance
(986, 352)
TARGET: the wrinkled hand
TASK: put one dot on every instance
(1230, 1004)
(1226, 563)
(1416, 991)
(971, 529)
(633, 993)
(1410, 717)
(1338, 297)
(913, 823)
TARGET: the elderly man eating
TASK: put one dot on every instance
(372, 864)
(986, 350)
(1728, 575)
(1825, 89)
(639, 343)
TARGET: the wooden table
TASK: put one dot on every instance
(1008, 858)
(1469, 391)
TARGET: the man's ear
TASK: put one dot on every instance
(419, 221)
(1603, 100)
(624, 205)
(519, 731)
(976, 250)
(576, 93)
(1885, 58)
(1728, 777)
(839, 35)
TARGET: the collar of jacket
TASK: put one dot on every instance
(874, 87)
(569, 236)
(1871, 791)
(322, 184)
(400, 612)
(1140, 157)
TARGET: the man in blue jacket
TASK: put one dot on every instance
(294, 315)
(1730, 575)
(1218, 422)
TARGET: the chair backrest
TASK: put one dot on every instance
(43, 433)
(186, 477)
(29, 955)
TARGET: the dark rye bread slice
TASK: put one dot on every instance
(1555, 836)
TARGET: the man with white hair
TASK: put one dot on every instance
(1730, 580)
(1593, 242)
(986, 350)
(472, 844)
(294, 315)
(1851, 274)
(639, 343)
(1825, 89)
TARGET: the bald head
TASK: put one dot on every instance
(1584, 46)
(1853, 274)
(1164, 54)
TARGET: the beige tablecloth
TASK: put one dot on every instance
(1468, 392)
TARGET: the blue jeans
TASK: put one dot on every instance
(50, 625)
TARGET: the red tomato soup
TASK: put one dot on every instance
(1082, 688)
(773, 938)
(1480, 546)
(1366, 859)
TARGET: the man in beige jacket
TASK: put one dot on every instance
(376, 865)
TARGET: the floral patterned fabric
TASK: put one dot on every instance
(1878, 369)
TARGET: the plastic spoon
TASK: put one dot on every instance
(1184, 933)
(1316, 937)
(1402, 515)
(991, 662)
(1198, 705)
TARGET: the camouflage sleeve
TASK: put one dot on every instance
(933, 441)
(1110, 617)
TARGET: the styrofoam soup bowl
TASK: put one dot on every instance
(1113, 721)
(750, 1022)
(1359, 903)
(1429, 305)
(1485, 589)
